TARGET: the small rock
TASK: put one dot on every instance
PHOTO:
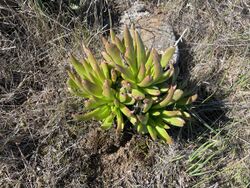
(154, 29)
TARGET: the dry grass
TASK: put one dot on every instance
(42, 147)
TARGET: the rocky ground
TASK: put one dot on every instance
(41, 145)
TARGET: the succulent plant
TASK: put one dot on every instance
(132, 83)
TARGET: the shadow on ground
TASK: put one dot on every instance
(209, 111)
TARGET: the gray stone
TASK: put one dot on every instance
(154, 29)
